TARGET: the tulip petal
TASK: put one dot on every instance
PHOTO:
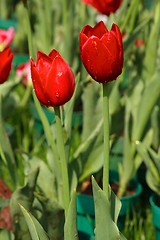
(100, 5)
(6, 57)
(53, 54)
(115, 30)
(38, 84)
(60, 82)
(99, 30)
(83, 38)
(97, 60)
(43, 63)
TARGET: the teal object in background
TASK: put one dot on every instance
(155, 215)
(20, 58)
(7, 23)
(85, 216)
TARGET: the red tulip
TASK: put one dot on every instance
(6, 37)
(102, 52)
(104, 6)
(6, 57)
(24, 71)
(53, 79)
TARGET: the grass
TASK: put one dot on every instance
(140, 227)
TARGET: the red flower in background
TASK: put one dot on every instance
(6, 37)
(24, 71)
(104, 6)
(6, 57)
(5, 212)
(53, 79)
(139, 42)
(102, 52)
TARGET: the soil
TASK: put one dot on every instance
(86, 188)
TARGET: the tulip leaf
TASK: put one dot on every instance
(48, 134)
(115, 205)
(152, 45)
(33, 162)
(70, 228)
(25, 196)
(6, 88)
(92, 109)
(6, 235)
(152, 162)
(105, 226)
(69, 108)
(156, 128)
(88, 157)
(151, 89)
(35, 229)
(6, 151)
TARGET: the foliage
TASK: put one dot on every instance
(29, 159)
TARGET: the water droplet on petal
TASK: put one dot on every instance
(57, 95)
(60, 74)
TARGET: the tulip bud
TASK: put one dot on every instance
(52, 78)
(102, 52)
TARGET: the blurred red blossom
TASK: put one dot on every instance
(6, 38)
(139, 42)
(104, 6)
(23, 70)
(5, 213)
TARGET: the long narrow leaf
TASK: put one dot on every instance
(35, 229)
(105, 227)
(70, 228)
(47, 130)
(6, 151)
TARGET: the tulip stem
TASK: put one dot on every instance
(63, 161)
(106, 138)
(29, 31)
(26, 96)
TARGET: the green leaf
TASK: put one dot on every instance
(152, 45)
(151, 167)
(25, 196)
(115, 205)
(6, 151)
(6, 88)
(92, 109)
(70, 228)
(6, 235)
(68, 107)
(105, 227)
(35, 229)
(48, 134)
(152, 93)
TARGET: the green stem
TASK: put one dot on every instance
(29, 31)
(63, 161)
(106, 138)
(26, 95)
(67, 26)
(129, 15)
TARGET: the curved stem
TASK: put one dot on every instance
(106, 138)
(63, 161)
